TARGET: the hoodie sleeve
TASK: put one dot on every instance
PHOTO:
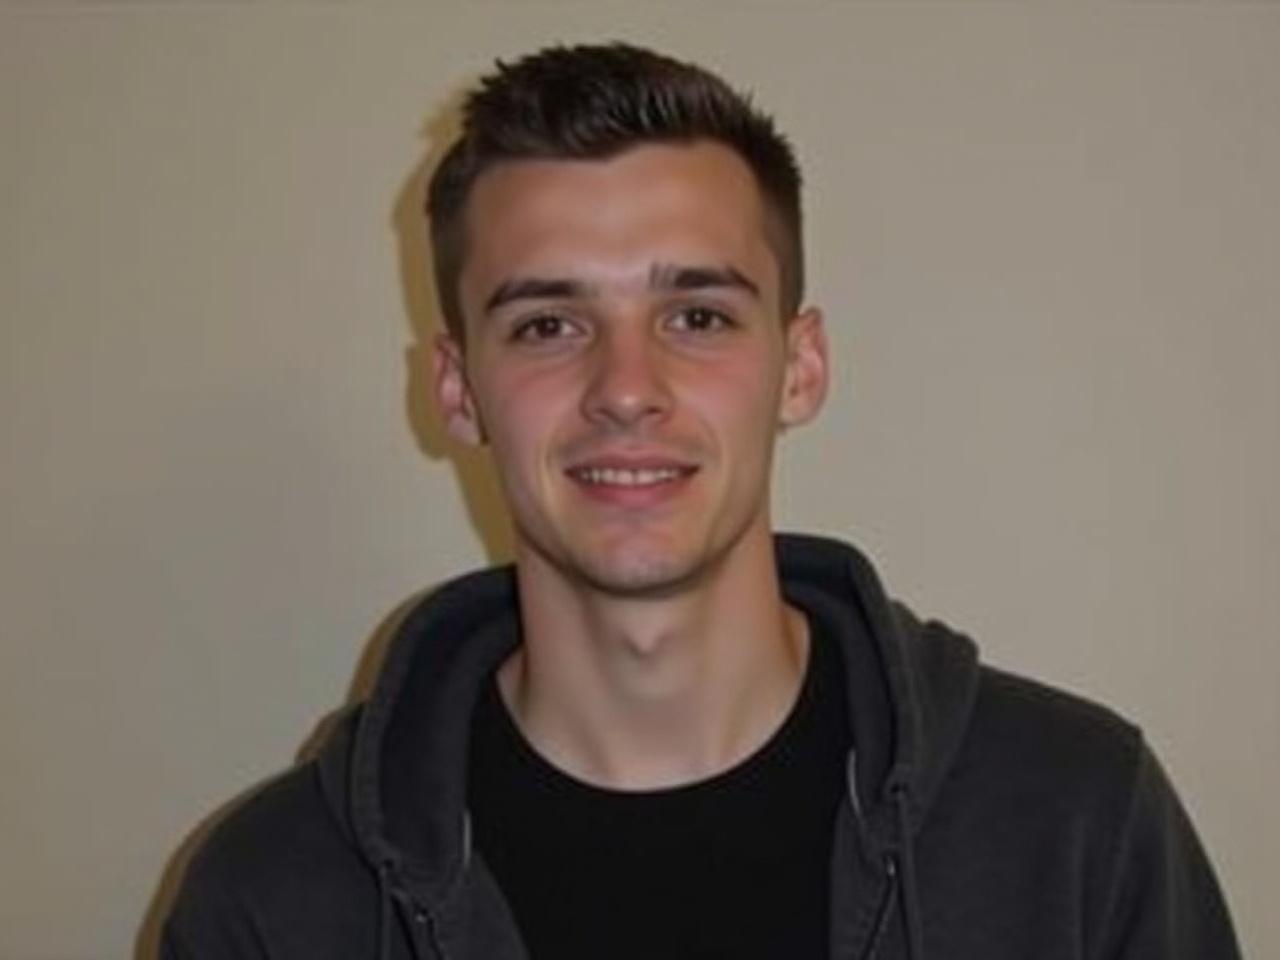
(1165, 899)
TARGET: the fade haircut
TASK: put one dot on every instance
(592, 103)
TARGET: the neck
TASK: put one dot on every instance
(647, 693)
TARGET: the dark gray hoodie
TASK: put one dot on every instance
(987, 816)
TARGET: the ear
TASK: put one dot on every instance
(805, 379)
(453, 392)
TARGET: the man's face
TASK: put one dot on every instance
(626, 360)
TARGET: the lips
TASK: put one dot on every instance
(628, 476)
(629, 479)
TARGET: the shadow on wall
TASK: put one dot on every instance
(480, 489)
(479, 486)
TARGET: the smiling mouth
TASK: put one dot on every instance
(628, 477)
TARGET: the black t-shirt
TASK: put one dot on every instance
(737, 865)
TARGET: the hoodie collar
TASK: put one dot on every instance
(910, 692)
(910, 684)
(409, 760)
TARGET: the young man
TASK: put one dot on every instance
(666, 732)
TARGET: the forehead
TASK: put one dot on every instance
(695, 203)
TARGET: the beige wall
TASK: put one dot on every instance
(1046, 236)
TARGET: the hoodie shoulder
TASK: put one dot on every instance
(273, 877)
(282, 826)
(1055, 799)
(1050, 734)
(1043, 783)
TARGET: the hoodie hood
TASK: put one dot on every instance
(910, 684)
(396, 773)
(407, 777)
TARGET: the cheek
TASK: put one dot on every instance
(740, 405)
(522, 411)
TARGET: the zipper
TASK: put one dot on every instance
(426, 932)
(424, 925)
(885, 910)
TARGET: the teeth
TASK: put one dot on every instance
(626, 478)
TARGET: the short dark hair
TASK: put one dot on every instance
(593, 102)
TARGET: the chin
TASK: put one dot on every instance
(637, 571)
(645, 570)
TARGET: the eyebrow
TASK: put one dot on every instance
(671, 276)
(662, 277)
(536, 288)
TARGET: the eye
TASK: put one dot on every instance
(544, 326)
(700, 319)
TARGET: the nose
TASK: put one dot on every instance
(628, 384)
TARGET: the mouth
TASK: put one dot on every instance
(629, 476)
(632, 482)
